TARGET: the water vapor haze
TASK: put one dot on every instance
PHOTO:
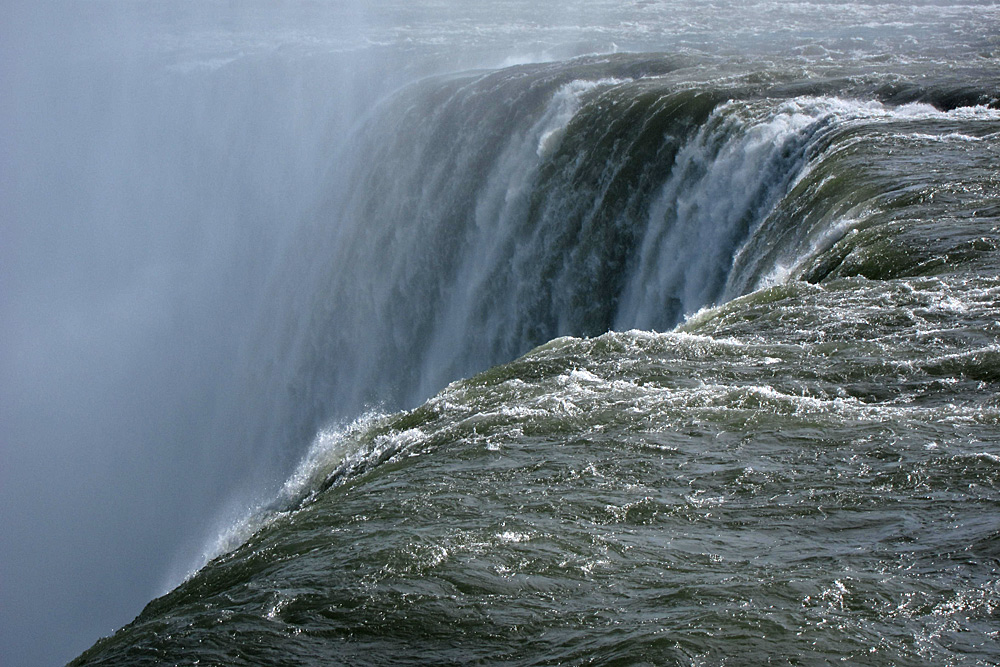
(147, 192)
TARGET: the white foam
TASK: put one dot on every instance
(565, 104)
(330, 447)
(782, 271)
(725, 179)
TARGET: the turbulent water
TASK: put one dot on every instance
(804, 471)
(634, 334)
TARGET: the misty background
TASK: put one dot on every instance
(148, 186)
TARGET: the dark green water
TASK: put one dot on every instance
(806, 474)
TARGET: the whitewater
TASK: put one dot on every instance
(592, 333)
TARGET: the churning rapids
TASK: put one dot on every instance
(805, 470)
(593, 333)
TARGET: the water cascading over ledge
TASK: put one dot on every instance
(178, 178)
(804, 471)
(491, 212)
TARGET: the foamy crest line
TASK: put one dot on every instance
(335, 446)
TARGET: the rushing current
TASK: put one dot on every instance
(601, 333)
